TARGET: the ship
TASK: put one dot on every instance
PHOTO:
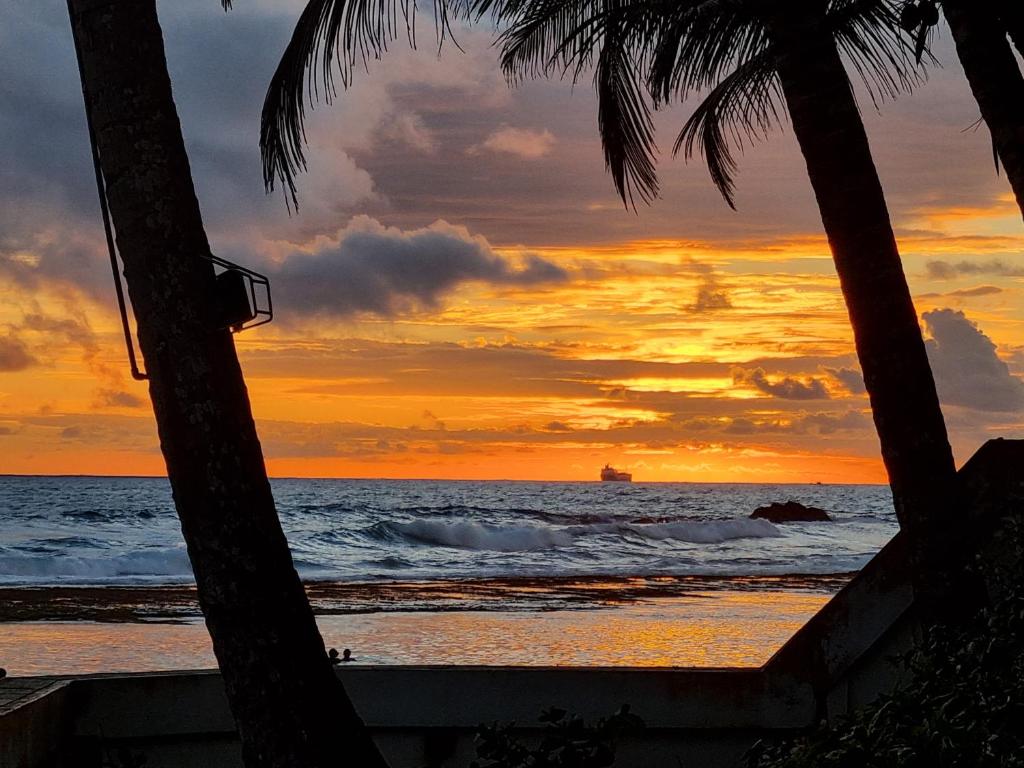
(611, 475)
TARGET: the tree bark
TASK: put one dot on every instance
(1011, 15)
(289, 706)
(891, 350)
(995, 78)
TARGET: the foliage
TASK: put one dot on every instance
(567, 742)
(963, 705)
(643, 54)
(124, 758)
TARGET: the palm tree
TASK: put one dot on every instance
(288, 704)
(980, 34)
(981, 29)
(750, 56)
(1012, 14)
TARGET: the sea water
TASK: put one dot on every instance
(101, 530)
(94, 575)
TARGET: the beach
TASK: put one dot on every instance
(94, 576)
(702, 629)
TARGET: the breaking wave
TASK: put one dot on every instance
(156, 564)
(125, 530)
(469, 535)
(523, 538)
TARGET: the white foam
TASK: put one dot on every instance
(707, 532)
(470, 535)
(481, 536)
(139, 564)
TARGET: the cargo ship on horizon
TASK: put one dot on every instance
(611, 475)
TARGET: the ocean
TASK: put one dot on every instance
(442, 571)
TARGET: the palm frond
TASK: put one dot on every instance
(741, 109)
(700, 43)
(549, 37)
(624, 122)
(331, 36)
(868, 33)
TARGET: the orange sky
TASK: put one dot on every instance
(544, 382)
(683, 342)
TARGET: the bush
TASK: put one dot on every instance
(963, 706)
(567, 742)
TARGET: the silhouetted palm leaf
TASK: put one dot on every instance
(330, 36)
(624, 121)
(546, 37)
(742, 107)
(643, 53)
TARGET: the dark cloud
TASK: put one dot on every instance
(786, 388)
(829, 423)
(967, 370)
(965, 293)
(710, 295)
(850, 378)
(981, 290)
(806, 423)
(74, 330)
(949, 270)
(384, 271)
(557, 426)
(14, 355)
(118, 399)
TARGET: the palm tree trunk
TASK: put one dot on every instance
(995, 79)
(289, 706)
(1011, 15)
(888, 339)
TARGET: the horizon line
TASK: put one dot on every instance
(447, 479)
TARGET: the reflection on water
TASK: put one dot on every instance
(705, 629)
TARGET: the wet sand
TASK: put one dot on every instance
(170, 603)
(692, 627)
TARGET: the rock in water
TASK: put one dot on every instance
(790, 512)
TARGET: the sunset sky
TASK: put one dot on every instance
(462, 295)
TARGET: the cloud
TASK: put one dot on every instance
(981, 290)
(710, 295)
(118, 399)
(74, 330)
(14, 356)
(807, 423)
(557, 426)
(786, 388)
(527, 143)
(965, 293)
(411, 130)
(947, 270)
(384, 270)
(967, 370)
(850, 378)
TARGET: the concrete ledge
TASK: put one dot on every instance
(35, 721)
(122, 706)
(427, 715)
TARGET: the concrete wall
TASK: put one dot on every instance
(35, 721)
(424, 716)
